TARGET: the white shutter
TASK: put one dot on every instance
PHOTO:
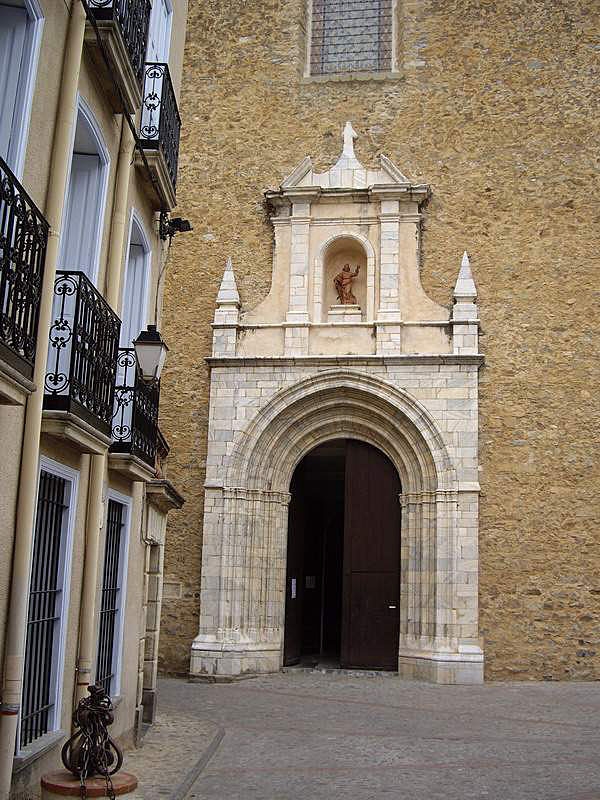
(82, 215)
(134, 296)
(159, 34)
(13, 27)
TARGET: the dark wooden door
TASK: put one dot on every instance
(292, 642)
(371, 592)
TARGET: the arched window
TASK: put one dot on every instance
(86, 197)
(159, 32)
(135, 290)
(21, 24)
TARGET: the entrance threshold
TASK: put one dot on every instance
(323, 669)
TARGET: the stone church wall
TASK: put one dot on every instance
(495, 107)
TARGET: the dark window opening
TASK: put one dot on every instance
(110, 605)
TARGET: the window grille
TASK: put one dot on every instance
(111, 598)
(44, 613)
(351, 36)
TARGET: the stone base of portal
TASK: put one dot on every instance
(220, 662)
(225, 662)
(57, 785)
(448, 668)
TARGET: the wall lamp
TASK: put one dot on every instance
(168, 227)
(151, 352)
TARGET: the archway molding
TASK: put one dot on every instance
(245, 526)
(341, 403)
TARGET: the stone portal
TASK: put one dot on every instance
(393, 369)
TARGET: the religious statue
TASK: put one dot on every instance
(343, 285)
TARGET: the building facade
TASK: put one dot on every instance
(492, 107)
(89, 145)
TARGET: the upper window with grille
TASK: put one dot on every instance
(350, 36)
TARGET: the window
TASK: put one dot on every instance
(351, 36)
(110, 631)
(48, 602)
(133, 310)
(86, 197)
(159, 32)
(20, 35)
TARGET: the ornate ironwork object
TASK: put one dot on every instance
(23, 239)
(161, 123)
(82, 355)
(135, 417)
(90, 751)
(133, 19)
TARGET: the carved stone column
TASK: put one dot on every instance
(243, 583)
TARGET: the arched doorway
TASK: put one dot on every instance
(343, 559)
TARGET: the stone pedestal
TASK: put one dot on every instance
(56, 785)
(348, 313)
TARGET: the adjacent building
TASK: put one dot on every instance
(89, 141)
(391, 465)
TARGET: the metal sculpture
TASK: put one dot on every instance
(90, 751)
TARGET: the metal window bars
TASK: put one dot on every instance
(350, 36)
(40, 674)
(23, 240)
(110, 597)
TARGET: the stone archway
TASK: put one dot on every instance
(245, 525)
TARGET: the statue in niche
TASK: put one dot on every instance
(343, 285)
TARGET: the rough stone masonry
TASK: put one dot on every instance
(494, 105)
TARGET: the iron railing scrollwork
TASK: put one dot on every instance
(82, 351)
(133, 19)
(161, 123)
(23, 240)
(135, 417)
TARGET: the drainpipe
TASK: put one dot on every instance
(28, 478)
(119, 217)
(96, 492)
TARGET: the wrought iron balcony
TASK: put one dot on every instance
(123, 27)
(160, 129)
(82, 352)
(23, 239)
(135, 417)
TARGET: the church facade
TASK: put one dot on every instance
(386, 466)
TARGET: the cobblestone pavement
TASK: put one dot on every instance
(315, 735)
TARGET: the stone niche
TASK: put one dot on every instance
(339, 253)
(395, 370)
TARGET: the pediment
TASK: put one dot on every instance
(348, 172)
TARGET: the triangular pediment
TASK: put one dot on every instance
(347, 172)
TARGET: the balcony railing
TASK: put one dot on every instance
(135, 418)
(161, 123)
(133, 19)
(23, 239)
(82, 352)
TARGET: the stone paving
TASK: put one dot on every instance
(317, 735)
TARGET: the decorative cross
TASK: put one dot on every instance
(349, 136)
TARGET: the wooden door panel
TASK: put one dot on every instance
(374, 621)
(370, 626)
(292, 643)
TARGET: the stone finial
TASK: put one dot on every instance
(347, 160)
(349, 136)
(228, 292)
(465, 290)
